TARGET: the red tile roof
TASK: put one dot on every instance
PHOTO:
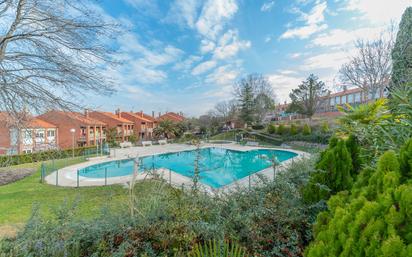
(30, 121)
(172, 116)
(138, 116)
(146, 116)
(80, 117)
(114, 116)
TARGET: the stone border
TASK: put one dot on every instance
(67, 176)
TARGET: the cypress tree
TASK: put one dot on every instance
(402, 51)
(354, 150)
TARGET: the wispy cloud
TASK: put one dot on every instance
(267, 6)
(313, 22)
(203, 67)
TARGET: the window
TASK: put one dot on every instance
(350, 98)
(40, 133)
(51, 133)
(27, 151)
(358, 97)
(344, 99)
(332, 101)
(337, 100)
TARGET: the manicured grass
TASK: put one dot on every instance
(229, 135)
(17, 199)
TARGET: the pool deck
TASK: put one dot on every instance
(67, 176)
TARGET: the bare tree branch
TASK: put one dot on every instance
(52, 52)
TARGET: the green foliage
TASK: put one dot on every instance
(333, 175)
(402, 52)
(270, 219)
(293, 129)
(281, 129)
(111, 137)
(354, 149)
(9, 160)
(374, 219)
(325, 127)
(217, 249)
(306, 97)
(306, 129)
(133, 138)
(271, 129)
(168, 129)
(405, 160)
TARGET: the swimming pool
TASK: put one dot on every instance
(218, 166)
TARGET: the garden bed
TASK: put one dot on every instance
(10, 175)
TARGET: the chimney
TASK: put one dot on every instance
(86, 113)
(118, 113)
(141, 113)
(153, 114)
(160, 114)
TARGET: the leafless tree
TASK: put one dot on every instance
(370, 68)
(226, 109)
(51, 52)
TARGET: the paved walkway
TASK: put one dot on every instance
(68, 176)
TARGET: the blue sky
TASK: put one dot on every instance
(185, 55)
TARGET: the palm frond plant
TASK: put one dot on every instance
(215, 248)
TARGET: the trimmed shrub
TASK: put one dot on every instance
(325, 127)
(258, 126)
(405, 159)
(281, 129)
(306, 129)
(333, 175)
(9, 160)
(293, 129)
(271, 129)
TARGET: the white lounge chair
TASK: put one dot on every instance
(252, 143)
(162, 142)
(125, 144)
(147, 143)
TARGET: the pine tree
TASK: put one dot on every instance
(405, 159)
(402, 51)
(247, 104)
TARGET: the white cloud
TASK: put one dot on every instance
(187, 63)
(341, 37)
(295, 55)
(283, 84)
(267, 6)
(183, 12)
(378, 11)
(141, 64)
(203, 67)
(213, 15)
(230, 45)
(314, 22)
(206, 46)
(223, 75)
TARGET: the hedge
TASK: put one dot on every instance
(9, 160)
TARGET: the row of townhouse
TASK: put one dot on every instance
(61, 130)
(328, 106)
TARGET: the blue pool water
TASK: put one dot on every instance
(218, 167)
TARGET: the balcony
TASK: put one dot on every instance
(82, 138)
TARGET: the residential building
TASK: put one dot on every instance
(329, 105)
(172, 116)
(26, 135)
(76, 129)
(124, 127)
(143, 124)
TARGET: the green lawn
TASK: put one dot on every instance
(17, 199)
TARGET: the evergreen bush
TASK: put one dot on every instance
(306, 129)
(293, 129)
(374, 219)
(281, 129)
(271, 129)
(325, 127)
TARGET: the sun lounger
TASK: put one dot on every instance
(252, 143)
(147, 143)
(125, 144)
(162, 142)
